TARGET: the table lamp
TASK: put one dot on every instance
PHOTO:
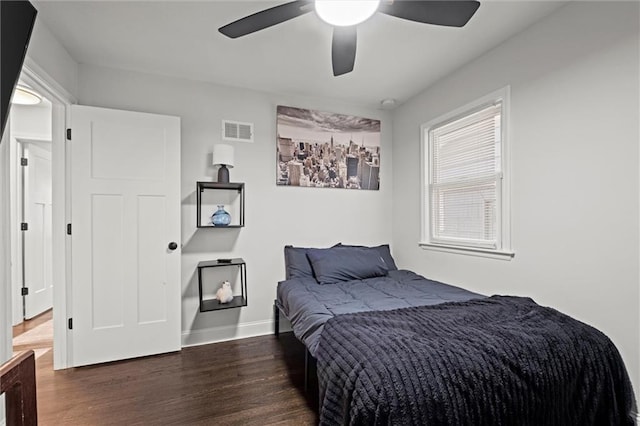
(223, 157)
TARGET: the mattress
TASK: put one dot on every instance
(309, 305)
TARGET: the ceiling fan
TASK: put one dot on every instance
(344, 15)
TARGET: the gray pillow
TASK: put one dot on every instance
(345, 264)
(383, 250)
(296, 263)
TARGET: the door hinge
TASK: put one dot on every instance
(24, 161)
(68, 134)
(68, 229)
(24, 226)
(24, 291)
(70, 323)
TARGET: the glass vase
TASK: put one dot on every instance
(221, 217)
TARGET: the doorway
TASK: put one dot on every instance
(11, 270)
(30, 152)
(156, 303)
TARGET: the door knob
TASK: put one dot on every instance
(173, 245)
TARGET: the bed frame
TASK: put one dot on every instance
(309, 360)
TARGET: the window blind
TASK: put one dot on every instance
(464, 179)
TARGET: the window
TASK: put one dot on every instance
(465, 190)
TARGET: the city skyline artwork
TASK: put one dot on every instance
(327, 150)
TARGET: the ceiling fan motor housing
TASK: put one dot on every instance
(344, 15)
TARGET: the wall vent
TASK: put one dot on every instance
(236, 131)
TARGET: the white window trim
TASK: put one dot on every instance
(504, 251)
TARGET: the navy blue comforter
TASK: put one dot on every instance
(493, 361)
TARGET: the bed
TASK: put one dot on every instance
(393, 347)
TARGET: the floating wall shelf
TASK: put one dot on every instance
(205, 190)
(238, 300)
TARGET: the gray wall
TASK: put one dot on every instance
(574, 161)
(275, 216)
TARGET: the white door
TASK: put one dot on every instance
(37, 258)
(125, 213)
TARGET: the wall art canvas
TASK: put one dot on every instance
(326, 150)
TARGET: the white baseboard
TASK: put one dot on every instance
(225, 333)
(241, 331)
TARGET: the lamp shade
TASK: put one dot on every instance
(223, 154)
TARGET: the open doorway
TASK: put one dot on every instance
(30, 139)
(10, 286)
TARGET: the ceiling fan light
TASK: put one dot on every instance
(344, 13)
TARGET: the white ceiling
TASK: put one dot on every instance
(395, 58)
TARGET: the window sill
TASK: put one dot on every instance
(469, 251)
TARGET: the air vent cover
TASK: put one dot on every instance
(236, 131)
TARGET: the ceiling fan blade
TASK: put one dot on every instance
(343, 49)
(266, 18)
(452, 13)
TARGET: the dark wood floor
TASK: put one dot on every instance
(256, 381)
